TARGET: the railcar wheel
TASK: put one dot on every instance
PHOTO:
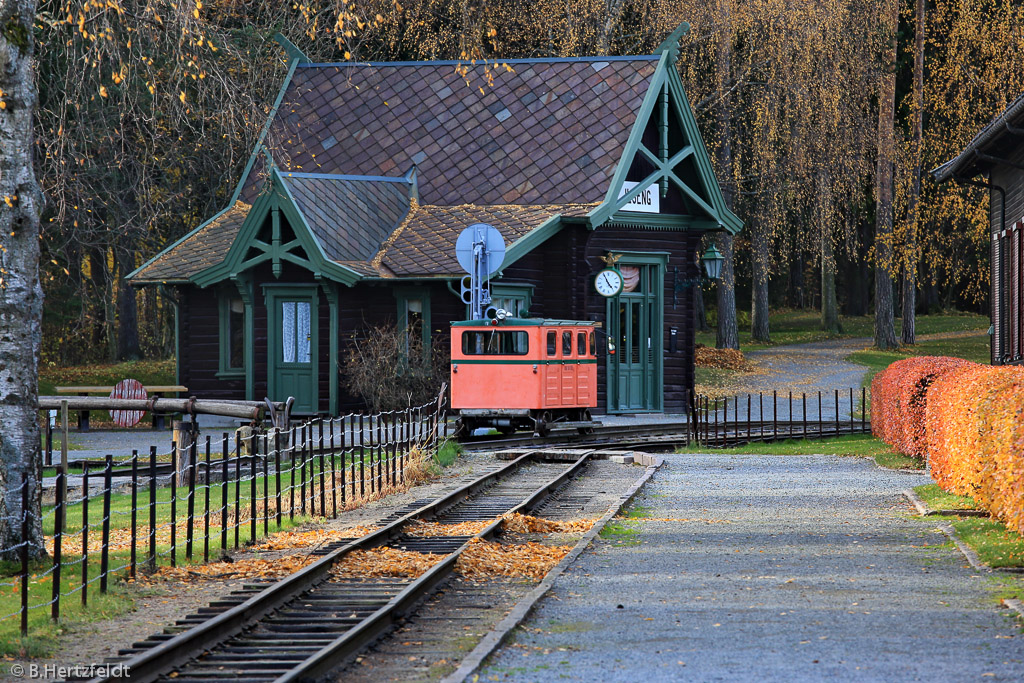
(585, 416)
(543, 423)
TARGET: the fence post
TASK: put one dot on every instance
(775, 415)
(323, 484)
(206, 505)
(58, 536)
(749, 434)
(174, 508)
(803, 401)
(135, 521)
(266, 485)
(302, 472)
(58, 524)
(108, 483)
(821, 424)
(225, 450)
(863, 410)
(252, 488)
(311, 458)
(837, 412)
(151, 558)
(334, 484)
(24, 553)
(190, 511)
(851, 410)
(238, 487)
(790, 415)
(49, 438)
(343, 468)
(85, 533)
(291, 468)
(64, 448)
(277, 474)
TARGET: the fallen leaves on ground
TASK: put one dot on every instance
(532, 560)
(310, 538)
(522, 524)
(677, 519)
(722, 359)
(421, 528)
(250, 568)
(384, 562)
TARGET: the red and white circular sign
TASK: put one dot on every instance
(128, 388)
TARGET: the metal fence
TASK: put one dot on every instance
(720, 422)
(165, 508)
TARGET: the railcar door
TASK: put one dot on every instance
(552, 373)
(568, 370)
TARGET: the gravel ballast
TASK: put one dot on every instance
(768, 568)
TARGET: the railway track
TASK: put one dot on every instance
(307, 624)
(672, 435)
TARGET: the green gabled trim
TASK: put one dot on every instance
(176, 243)
(531, 240)
(278, 197)
(662, 222)
(229, 266)
(729, 220)
(310, 243)
(266, 129)
(607, 207)
(294, 53)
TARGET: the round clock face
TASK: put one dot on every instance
(608, 282)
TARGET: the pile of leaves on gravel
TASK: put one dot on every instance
(721, 359)
(531, 560)
(383, 561)
(524, 524)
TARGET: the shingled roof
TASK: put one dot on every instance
(424, 244)
(203, 247)
(385, 163)
(537, 132)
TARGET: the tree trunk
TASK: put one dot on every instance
(699, 313)
(21, 296)
(127, 311)
(759, 242)
(728, 336)
(829, 300)
(728, 331)
(908, 333)
(885, 332)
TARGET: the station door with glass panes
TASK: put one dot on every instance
(634, 322)
(292, 347)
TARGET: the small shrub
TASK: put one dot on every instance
(389, 370)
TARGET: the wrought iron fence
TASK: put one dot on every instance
(186, 503)
(719, 422)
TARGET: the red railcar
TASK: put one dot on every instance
(523, 373)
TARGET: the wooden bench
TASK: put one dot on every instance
(155, 391)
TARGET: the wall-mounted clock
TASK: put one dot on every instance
(608, 282)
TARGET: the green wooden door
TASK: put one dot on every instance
(634, 322)
(292, 346)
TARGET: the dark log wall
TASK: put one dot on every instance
(560, 270)
(1008, 260)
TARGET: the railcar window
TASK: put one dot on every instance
(495, 343)
(566, 344)
(581, 344)
(552, 343)
(593, 344)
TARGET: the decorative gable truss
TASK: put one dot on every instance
(278, 230)
(665, 149)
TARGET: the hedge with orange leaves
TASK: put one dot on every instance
(975, 424)
(969, 421)
(898, 398)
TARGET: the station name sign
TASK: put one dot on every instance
(648, 201)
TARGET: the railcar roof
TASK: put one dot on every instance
(525, 322)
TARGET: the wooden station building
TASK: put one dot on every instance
(350, 205)
(994, 159)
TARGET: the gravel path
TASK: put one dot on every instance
(771, 568)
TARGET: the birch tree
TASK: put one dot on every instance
(21, 296)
